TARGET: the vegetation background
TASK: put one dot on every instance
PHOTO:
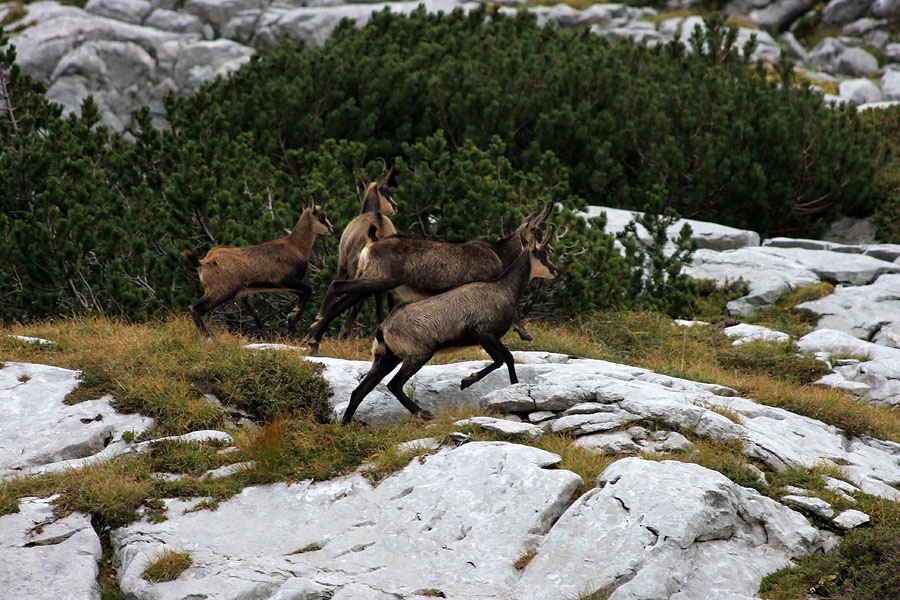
(485, 117)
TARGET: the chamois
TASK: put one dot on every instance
(420, 269)
(480, 312)
(377, 206)
(228, 273)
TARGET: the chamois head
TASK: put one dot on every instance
(318, 222)
(378, 194)
(541, 267)
(530, 228)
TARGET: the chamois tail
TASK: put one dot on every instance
(191, 258)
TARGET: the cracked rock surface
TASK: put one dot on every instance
(38, 428)
(45, 557)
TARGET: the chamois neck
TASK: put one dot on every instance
(508, 248)
(518, 274)
(371, 202)
(302, 237)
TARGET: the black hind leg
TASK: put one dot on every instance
(410, 367)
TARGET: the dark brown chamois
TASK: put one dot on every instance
(229, 273)
(418, 269)
(377, 206)
(475, 313)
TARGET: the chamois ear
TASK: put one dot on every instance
(312, 203)
(365, 180)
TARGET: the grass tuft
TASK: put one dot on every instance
(167, 566)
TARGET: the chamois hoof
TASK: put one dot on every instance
(425, 414)
(311, 346)
(526, 337)
(468, 381)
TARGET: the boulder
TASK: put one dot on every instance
(833, 56)
(860, 91)
(744, 333)
(776, 16)
(218, 12)
(887, 9)
(690, 532)
(39, 428)
(890, 84)
(708, 235)
(861, 311)
(129, 11)
(44, 556)
(202, 61)
(840, 12)
(892, 52)
(170, 20)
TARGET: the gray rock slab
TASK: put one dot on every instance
(463, 516)
(861, 311)
(39, 428)
(504, 427)
(849, 519)
(708, 235)
(836, 267)
(205, 60)
(690, 532)
(744, 333)
(45, 557)
(886, 9)
(171, 20)
(130, 11)
(816, 506)
(768, 277)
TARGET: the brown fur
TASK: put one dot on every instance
(377, 206)
(229, 273)
(420, 269)
(480, 312)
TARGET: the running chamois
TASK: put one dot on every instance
(477, 313)
(229, 273)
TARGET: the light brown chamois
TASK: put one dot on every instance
(229, 273)
(377, 206)
(475, 313)
(418, 269)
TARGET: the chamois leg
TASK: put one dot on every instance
(254, 314)
(341, 295)
(303, 291)
(520, 329)
(500, 354)
(410, 367)
(349, 320)
(382, 364)
(205, 305)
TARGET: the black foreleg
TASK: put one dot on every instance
(381, 366)
(500, 354)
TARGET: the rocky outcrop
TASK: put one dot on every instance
(128, 53)
(454, 524)
(39, 428)
(43, 556)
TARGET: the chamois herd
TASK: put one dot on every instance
(455, 293)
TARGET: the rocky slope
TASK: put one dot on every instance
(465, 520)
(129, 53)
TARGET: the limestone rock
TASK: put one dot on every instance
(886, 9)
(202, 61)
(129, 11)
(861, 311)
(841, 12)
(890, 84)
(860, 91)
(776, 16)
(744, 333)
(816, 506)
(504, 427)
(38, 428)
(42, 556)
(650, 537)
(708, 235)
(849, 519)
(480, 504)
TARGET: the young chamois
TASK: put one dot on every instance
(228, 273)
(418, 269)
(377, 206)
(475, 313)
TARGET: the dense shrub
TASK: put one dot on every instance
(725, 142)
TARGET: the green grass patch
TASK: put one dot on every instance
(773, 359)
